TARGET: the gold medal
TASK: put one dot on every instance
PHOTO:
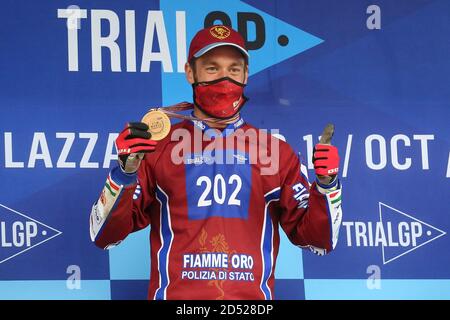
(158, 124)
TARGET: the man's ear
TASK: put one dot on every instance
(246, 74)
(189, 73)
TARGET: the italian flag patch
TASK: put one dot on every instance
(335, 197)
(112, 187)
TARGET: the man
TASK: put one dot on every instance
(214, 224)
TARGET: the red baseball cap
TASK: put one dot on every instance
(213, 37)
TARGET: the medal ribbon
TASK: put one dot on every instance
(171, 112)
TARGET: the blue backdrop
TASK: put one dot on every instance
(71, 75)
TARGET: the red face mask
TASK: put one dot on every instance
(221, 98)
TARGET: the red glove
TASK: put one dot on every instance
(325, 160)
(131, 145)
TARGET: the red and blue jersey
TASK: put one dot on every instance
(215, 209)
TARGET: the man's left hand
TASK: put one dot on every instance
(326, 162)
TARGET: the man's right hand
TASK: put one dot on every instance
(132, 144)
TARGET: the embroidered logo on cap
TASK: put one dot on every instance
(220, 32)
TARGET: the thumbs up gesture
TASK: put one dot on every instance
(326, 157)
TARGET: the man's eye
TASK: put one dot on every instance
(211, 68)
(235, 70)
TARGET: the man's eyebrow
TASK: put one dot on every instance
(239, 64)
(208, 61)
(214, 63)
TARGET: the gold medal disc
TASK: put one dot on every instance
(158, 124)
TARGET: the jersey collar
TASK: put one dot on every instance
(213, 133)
